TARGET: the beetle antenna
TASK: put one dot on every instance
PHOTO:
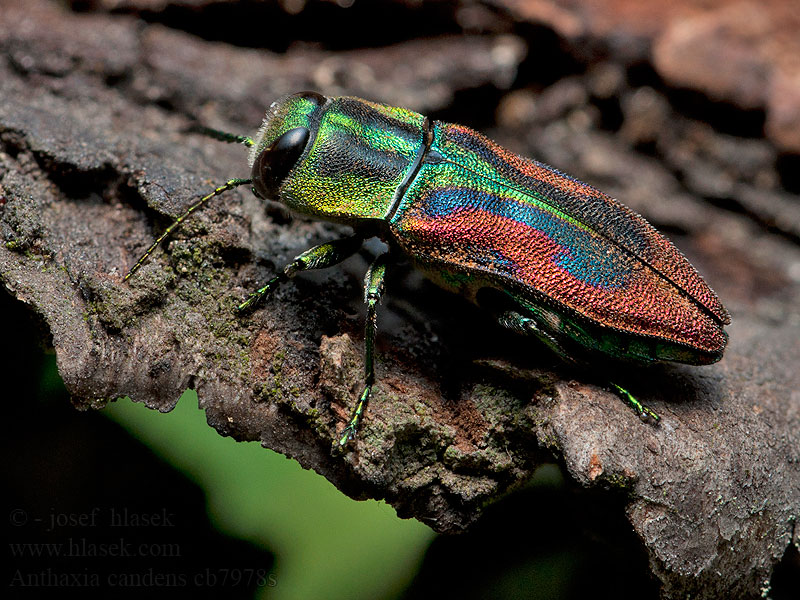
(222, 136)
(228, 185)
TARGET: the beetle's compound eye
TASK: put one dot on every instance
(274, 163)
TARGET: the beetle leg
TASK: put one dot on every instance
(318, 257)
(373, 290)
(519, 323)
(643, 412)
(526, 325)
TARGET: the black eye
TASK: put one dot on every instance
(274, 163)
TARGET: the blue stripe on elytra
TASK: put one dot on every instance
(583, 255)
(609, 219)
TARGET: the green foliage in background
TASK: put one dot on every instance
(326, 545)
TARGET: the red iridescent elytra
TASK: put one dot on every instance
(593, 271)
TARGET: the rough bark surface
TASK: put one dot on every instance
(95, 161)
(737, 51)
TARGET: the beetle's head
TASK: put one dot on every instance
(282, 140)
(340, 159)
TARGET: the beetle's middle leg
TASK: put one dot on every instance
(318, 257)
(519, 323)
(373, 291)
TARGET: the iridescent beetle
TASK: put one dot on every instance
(547, 255)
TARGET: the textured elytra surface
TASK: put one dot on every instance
(525, 225)
(94, 162)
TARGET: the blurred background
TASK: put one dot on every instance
(693, 102)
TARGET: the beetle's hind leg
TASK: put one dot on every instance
(519, 323)
(643, 411)
(373, 291)
(319, 257)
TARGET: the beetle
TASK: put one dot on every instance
(547, 255)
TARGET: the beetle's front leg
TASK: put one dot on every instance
(318, 257)
(373, 290)
(526, 325)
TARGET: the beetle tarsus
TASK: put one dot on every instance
(351, 428)
(255, 298)
(645, 414)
